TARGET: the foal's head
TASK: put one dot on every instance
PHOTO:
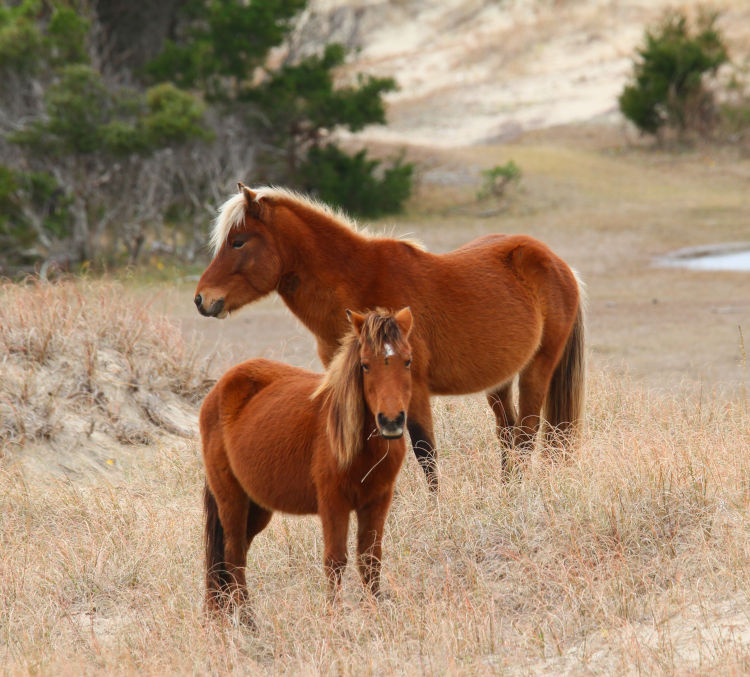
(371, 372)
(246, 264)
(385, 360)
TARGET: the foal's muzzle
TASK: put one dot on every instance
(215, 310)
(392, 428)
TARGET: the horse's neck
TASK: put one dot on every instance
(322, 276)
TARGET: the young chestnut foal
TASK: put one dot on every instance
(277, 437)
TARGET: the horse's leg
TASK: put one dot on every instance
(370, 522)
(533, 384)
(501, 402)
(335, 518)
(257, 520)
(419, 424)
(233, 506)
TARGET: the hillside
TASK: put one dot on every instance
(482, 71)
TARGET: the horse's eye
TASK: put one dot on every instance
(236, 244)
(365, 368)
(408, 363)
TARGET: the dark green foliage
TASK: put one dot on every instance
(83, 116)
(67, 33)
(31, 38)
(222, 42)
(33, 212)
(20, 37)
(350, 181)
(299, 102)
(124, 158)
(172, 117)
(668, 88)
(302, 96)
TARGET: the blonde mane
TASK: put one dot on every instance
(342, 388)
(231, 214)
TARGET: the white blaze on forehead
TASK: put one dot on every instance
(389, 352)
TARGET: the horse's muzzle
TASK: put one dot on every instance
(216, 309)
(392, 428)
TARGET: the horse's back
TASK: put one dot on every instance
(487, 308)
(266, 420)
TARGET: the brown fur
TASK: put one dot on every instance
(500, 307)
(267, 446)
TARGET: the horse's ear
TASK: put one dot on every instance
(252, 206)
(405, 321)
(357, 321)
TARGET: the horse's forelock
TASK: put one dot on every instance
(231, 215)
(380, 330)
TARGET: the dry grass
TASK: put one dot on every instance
(632, 558)
(82, 367)
(617, 561)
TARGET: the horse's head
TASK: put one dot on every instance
(385, 360)
(246, 264)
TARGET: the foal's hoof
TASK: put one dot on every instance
(239, 616)
(243, 617)
(514, 463)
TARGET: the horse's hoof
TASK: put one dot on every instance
(243, 617)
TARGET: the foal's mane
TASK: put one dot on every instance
(341, 391)
(231, 214)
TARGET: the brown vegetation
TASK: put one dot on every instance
(620, 558)
(84, 369)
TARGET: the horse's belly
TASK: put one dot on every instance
(471, 365)
(273, 467)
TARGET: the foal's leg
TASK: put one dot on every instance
(419, 424)
(370, 522)
(334, 514)
(233, 506)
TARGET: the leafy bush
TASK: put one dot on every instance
(498, 178)
(668, 88)
(34, 215)
(351, 181)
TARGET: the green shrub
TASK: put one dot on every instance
(498, 178)
(351, 181)
(668, 88)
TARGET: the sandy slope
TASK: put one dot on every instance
(473, 71)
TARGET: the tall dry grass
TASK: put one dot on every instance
(82, 365)
(629, 558)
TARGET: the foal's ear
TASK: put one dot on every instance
(356, 320)
(252, 206)
(405, 321)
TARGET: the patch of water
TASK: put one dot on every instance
(730, 257)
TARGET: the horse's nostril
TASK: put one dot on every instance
(198, 300)
(382, 420)
(401, 418)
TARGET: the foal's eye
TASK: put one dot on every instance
(407, 363)
(236, 244)
(365, 368)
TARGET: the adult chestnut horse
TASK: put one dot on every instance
(500, 306)
(277, 437)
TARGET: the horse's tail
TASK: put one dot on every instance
(563, 408)
(217, 576)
